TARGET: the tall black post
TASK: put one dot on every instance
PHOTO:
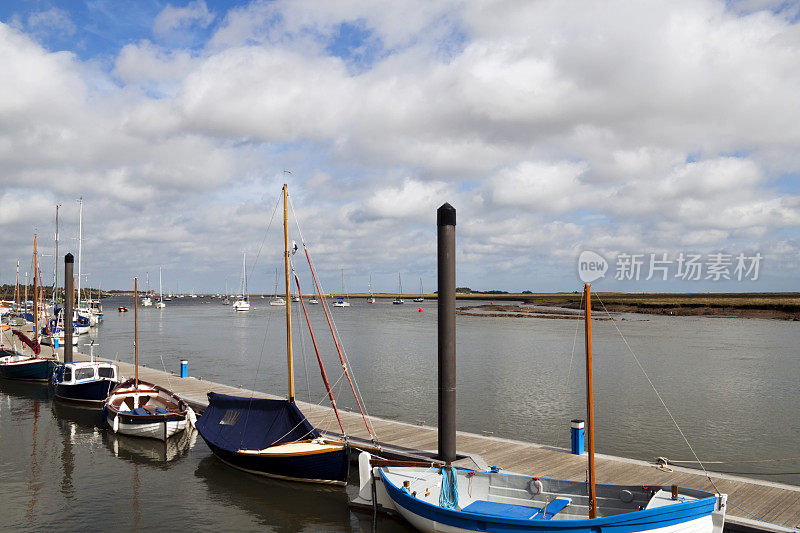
(446, 257)
(69, 287)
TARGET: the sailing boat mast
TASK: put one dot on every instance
(288, 296)
(136, 330)
(80, 247)
(35, 289)
(244, 274)
(55, 265)
(589, 401)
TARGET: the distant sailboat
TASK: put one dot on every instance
(242, 304)
(160, 304)
(146, 301)
(341, 302)
(371, 299)
(399, 298)
(277, 301)
(421, 297)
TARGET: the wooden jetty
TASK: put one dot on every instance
(773, 502)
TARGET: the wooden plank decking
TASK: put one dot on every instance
(773, 502)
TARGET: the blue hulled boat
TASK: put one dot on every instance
(85, 382)
(271, 438)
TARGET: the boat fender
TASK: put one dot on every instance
(115, 426)
(625, 496)
(535, 486)
(191, 416)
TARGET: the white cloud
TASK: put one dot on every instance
(615, 126)
(174, 18)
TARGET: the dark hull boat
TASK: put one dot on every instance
(17, 366)
(86, 382)
(271, 438)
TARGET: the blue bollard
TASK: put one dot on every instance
(577, 432)
(184, 368)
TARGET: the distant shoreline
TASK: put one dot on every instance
(778, 306)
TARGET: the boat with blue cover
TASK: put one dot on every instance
(442, 497)
(272, 437)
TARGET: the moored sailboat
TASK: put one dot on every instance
(160, 304)
(444, 498)
(398, 300)
(342, 302)
(242, 304)
(272, 437)
(13, 363)
(142, 409)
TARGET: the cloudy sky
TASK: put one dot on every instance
(554, 127)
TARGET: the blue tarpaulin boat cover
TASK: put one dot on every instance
(238, 423)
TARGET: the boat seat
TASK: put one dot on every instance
(506, 510)
(553, 508)
(509, 510)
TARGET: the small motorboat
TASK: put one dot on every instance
(122, 309)
(85, 382)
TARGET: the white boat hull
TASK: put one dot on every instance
(153, 430)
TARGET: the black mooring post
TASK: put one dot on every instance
(69, 287)
(446, 256)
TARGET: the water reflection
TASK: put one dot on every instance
(150, 452)
(284, 506)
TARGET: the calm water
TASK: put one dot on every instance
(730, 383)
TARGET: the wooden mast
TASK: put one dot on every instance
(136, 330)
(589, 402)
(288, 296)
(35, 290)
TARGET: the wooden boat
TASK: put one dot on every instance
(444, 498)
(272, 437)
(142, 409)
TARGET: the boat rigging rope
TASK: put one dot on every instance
(342, 356)
(658, 395)
(303, 350)
(266, 232)
(319, 357)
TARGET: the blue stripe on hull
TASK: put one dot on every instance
(622, 523)
(36, 370)
(92, 392)
(331, 466)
